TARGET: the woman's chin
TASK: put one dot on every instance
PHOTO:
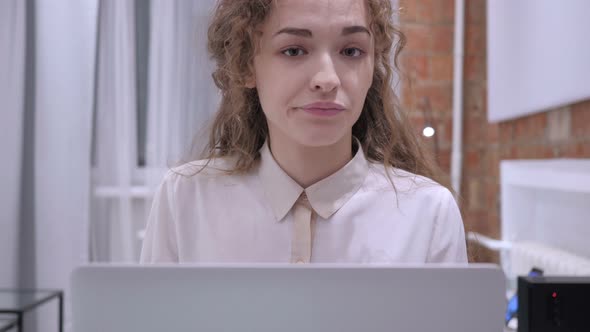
(319, 140)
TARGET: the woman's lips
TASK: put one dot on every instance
(323, 108)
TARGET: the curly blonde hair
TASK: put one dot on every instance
(239, 128)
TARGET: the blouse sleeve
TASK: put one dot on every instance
(160, 242)
(448, 240)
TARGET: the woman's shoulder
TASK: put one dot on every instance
(404, 182)
(200, 170)
(204, 167)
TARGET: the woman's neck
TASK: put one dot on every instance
(308, 165)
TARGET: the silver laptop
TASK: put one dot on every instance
(289, 298)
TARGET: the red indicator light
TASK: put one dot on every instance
(554, 295)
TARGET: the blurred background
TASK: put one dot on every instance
(525, 92)
(98, 98)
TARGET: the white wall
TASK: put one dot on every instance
(538, 55)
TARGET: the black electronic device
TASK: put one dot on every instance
(553, 304)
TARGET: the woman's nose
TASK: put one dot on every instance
(325, 78)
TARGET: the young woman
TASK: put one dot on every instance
(309, 159)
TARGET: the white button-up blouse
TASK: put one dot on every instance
(353, 216)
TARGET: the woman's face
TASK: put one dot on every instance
(313, 69)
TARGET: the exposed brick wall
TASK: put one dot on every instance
(427, 63)
(427, 69)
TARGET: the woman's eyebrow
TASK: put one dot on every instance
(355, 29)
(307, 33)
(294, 31)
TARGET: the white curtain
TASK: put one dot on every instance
(12, 74)
(181, 98)
(46, 90)
(182, 95)
(65, 34)
(115, 146)
(64, 84)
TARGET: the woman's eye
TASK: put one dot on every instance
(352, 52)
(293, 51)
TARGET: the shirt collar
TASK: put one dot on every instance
(326, 196)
